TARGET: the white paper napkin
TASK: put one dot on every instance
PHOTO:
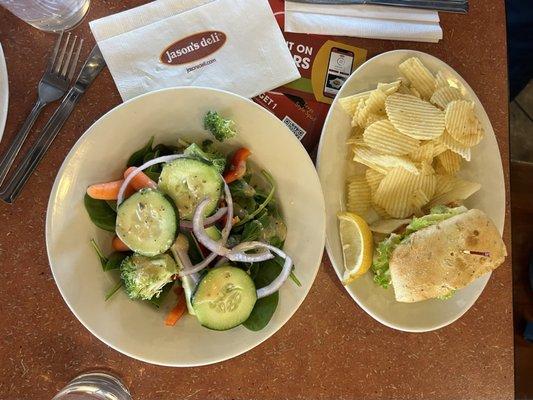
(368, 21)
(234, 45)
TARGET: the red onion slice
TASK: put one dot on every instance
(158, 160)
(199, 231)
(200, 266)
(219, 247)
(209, 221)
(180, 251)
(285, 271)
(229, 217)
(238, 254)
(225, 233)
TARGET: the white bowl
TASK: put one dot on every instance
(4, 92)
(135, 328)
(485, 168)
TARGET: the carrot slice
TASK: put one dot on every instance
(237, 168)
(141, 180)
(107, 190)
(177, 312)
(119, 245)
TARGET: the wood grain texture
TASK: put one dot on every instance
(330, 349)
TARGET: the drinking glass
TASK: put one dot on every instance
(94, 386)
(49, 15)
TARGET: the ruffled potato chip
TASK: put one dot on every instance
(439, 148)
(369, 108)
(443, 96)
(424, 152)
(414, 117)
(419, 76)
(372, 117)
(418, 200)
(356, 140)
(474, 138)
(397, 190)
(358, 195)
(359, 117)
(382, 162)
(445, 183)
(349, 104)
(380, 211)
(451, 144)
(460, 119)
(440, 80)
(450, 161)
(389, 88)
(461, 190)
(373, 178)
(384, 138)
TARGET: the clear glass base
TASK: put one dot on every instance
(94, 386)
(49, 15)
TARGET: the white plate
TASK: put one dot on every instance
(485, 168)
(135, 328)
(4, 92)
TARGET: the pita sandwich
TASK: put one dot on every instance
(439, 259)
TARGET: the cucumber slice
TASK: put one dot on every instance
(188, 181)
(213, 233)
(147, 222)
(224, 298)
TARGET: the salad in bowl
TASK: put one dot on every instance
(191, 219)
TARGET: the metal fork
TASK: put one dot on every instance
(53, 85)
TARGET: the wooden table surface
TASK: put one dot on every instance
(330, 349)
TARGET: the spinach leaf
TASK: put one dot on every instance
(264, 203)
(113, 290)
(157, 301)
(276, 242)
(166, 150)
(153, 175)
(281, 261)
(100, 213)
(241, 188)
(103, 259)
(252, 231)
(294, 278)
(195, 253)
(264, 308)
(115, 259)
(136, 159)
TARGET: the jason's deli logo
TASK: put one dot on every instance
(193, 47)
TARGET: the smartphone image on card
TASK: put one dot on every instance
(339, 69)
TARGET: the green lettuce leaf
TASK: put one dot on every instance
(380, 266)
(436, 215)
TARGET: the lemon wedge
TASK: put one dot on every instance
(357, 246)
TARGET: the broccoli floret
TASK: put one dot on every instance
(218, 161)
(144, 277)
(221, 128)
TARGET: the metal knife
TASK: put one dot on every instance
(90, 70)
(457, 6)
